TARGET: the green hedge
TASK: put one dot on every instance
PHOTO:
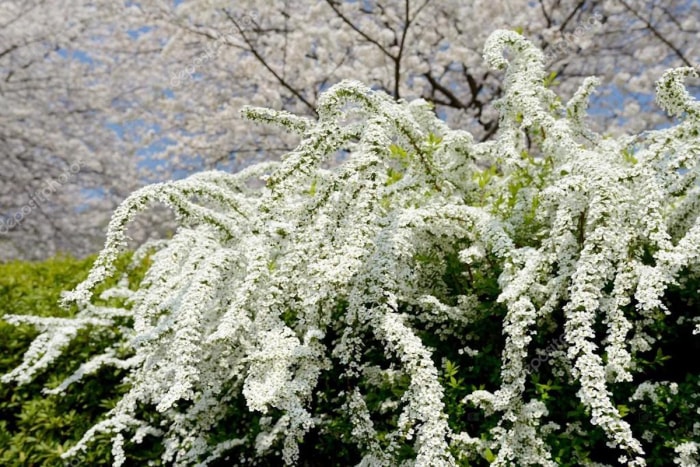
(34, 428)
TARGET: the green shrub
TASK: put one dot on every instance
(35, 429)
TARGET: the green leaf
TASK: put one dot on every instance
(433, 139)
(489, 455)
(393, 176)
(398, 152)
(550, 79)
(623, 410)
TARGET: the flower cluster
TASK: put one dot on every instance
(360, 271)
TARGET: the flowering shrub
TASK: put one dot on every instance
(386, 311)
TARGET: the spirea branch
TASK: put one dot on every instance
(360, 270)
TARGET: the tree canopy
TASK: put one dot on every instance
(148, 91)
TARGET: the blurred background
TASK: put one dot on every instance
(99, 98)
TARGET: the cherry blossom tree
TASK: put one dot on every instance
(375, 301)
(147, 91)
(63, 168)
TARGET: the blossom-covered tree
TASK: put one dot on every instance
(148, 91)
(385, 304)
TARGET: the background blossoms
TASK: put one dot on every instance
(39, 197)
